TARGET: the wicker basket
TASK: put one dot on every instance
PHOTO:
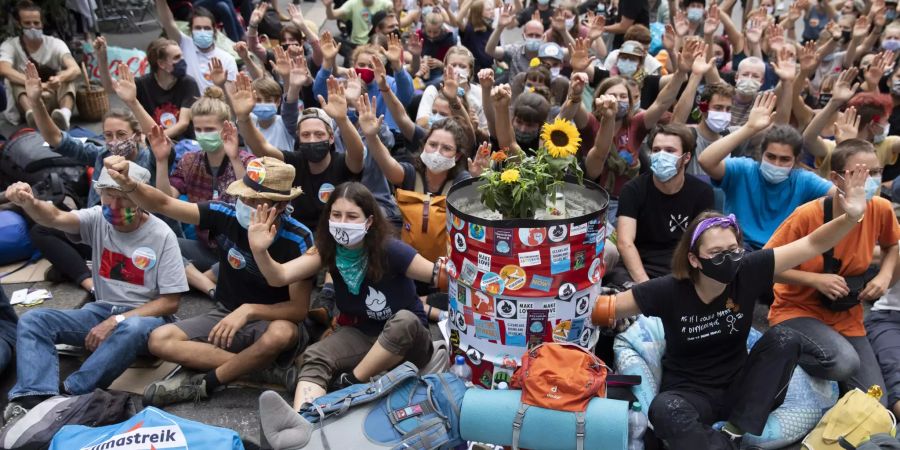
(92, 101)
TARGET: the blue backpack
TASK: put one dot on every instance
(398, 410)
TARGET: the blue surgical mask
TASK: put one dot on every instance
(873, 187)
(622, 110)
(891, 44)
(695, 14)
(435, 118)
(664, 165)
(242, 213)
(532, 44)
(265, 111)
(203, 39)
(879, 138)
(626, 67)
(772, 173)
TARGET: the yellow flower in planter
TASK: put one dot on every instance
(509, 176)
(561, 138)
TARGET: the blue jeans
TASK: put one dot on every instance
(37, 365)
(224, 12)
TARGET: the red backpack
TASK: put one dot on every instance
(560, 376)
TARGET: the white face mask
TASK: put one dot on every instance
(554, 71)
(748, 86)
(718, 121)
(570, 23)
(33, 33)
(437, 162)
(347, 234)
(462, 73)
(242, 213)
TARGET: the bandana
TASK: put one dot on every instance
(351, 264)
(722, 222)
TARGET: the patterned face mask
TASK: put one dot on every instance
(124, 148)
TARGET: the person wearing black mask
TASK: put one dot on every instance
(319, 168)
(167, 92)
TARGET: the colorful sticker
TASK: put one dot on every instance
(501, 375)
(236, 259)
(477, 232)
(458, 223)
(474, 356)
(582, 304)
(459, 321)
(561, 331)
(548, 306)
(256, 171)
(566, 291)
(487, 329)
(484, 262)
(535, 326)
(506, 308)
(503, 241)
(459, 242)
(325, 192)
(575, 331)
(451, 268)
(595, 273)
(469, 272)
(483, 304)
(532, 237)
(469, 316)
(462, 295)
(528, 259)
(515, 333)
(513, 277)
(578, 230)
(541, 283)
(167, 120)
(579, 260)
(492, 283)
(144, 258)
(560, 259)
(558, 233)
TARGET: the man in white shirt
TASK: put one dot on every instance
(200, 47)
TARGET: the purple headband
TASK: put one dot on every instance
(705, 224)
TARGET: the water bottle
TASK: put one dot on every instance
(461, 370)
(637, 425)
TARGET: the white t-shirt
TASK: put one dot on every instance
(890, 301)
(50, 54)
(198, 62)
(473, 97)
(277, 134)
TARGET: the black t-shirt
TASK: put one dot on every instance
(378, 301)
(892, 171)
(706, 344)
(240, 280)
(165, 105)
(525, 15)
(476, 41)
(636, 10)
(661, 218)
(316, 187)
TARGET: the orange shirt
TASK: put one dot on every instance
(854, 252)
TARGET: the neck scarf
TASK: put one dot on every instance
(351, 264)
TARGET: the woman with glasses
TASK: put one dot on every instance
(706, 308)
(821, 298)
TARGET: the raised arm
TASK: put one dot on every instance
(243, 101)
(297, 19)
(103, 63)
(406, 126)
(243, 51)
(148, 197)
(692, 50)
(734, 35)
(843, 90)
(507, 20)
(486, 80)
(505, 136)
(126, 89)
(457, 111)
(786, 69)
(161, 146)
(712, 161)
(260, 235)
(167, 20)
(45, 125)
(686, 102)
(232, 150)
(44, 213)
(605, 107)
(573, 108)
(336, 108)
(370, 126)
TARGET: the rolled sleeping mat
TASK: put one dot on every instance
(487, 416)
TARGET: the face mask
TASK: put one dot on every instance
(718, 121)
(623, 110)
(119, 217)
(462, 73)
(347, 234)
(435, 118)
(265, 111)
(544, 2)
(748, 86)
(626, 67)
(314, 151)
(823, 100)
(879, 138)
(695, 14)
(179, 69)
(772, 173)
(601, 8)
(570, 23)
(664, 165)
(203, 39)
(437, 162)
(527, 139)
(723, 273)
(846, 35)
(33, 33)
(123, 148)
(637, 106)
(554, 71)
(891, 45)
(532, 44)
(426, 10)
(890, 15)
(209, 141)
(770, 10)
(872, 187)
(242, 213)
(365, 74)
(720, 62)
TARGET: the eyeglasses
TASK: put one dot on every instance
(734, 255)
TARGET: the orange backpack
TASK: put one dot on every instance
(560, 376)
(424, 219)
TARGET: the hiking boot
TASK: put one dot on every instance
(60, 119)
(13, 412)
(277, 375)
(183, 387)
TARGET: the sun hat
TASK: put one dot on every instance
(267, 178)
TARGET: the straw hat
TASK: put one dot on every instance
(267, 178)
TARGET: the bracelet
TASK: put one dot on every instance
(604, 313)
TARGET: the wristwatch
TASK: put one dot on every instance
(119, 318)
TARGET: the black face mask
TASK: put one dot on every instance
(845, 36)
(314, 151)
(723, 273)
(823, 100)
(179, 69)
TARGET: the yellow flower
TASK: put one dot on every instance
(534, 62)
(509, 176)
(561, 138)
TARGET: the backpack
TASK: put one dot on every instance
(148, 427)
(424, 219)
(15, 243)
(26, 157)
(400, 409)
(36, 429)
(560, 376)
(853, 420)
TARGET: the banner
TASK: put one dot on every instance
(135, 59)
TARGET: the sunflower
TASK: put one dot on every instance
(561, 138)
(509, 176)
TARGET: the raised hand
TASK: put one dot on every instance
(579, 55)
(701, 64)
(596, 24)
(217, 72)
(785, 67)
(300, 72)
(775, 35)
(100, 47)
(394, 52)
(327, 3)
(262, 231)
(243, 99)
(336, 106)
(353, 86)
(329, 47)
(295, 13)
(762, 114)
(125, 87)
(795, 11)
(507, 17)
(558, 21)
(117, 166)
(380, 73)
(833, 29)
(691, 50)
(669, 38)
(711, 24)
(258, 14)
(486, 78)
(451, 84)
(160, 144)
(606, 106)
(414, 44)
(847, 125)
(242, 50)
(369, 123)
(20, 193)
(501, 94)
(294, 50)
(846, 85)
(482, 159)
(878, 67)
(33, 87)
(853, 199)
(861, 27)
(230, 140)
(682, 25)
(282, 64)
(754, 30)
(809, 58)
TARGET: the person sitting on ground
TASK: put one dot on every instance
(254, 326)
(656, 207)
(835, 346)
(139, 281)
(55, 65)
(8, 321)
(883, 331)
(517, 55)
(762, 193)
(381, 322)
(266, 118)
(706, 309)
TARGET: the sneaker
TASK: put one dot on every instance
(60, 119)
(13, 412)
(277, 375)
(29, 119)
(183, 387)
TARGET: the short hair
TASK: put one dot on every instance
(530, 107)
(26, 5)
(267, 87)
(685, 3)
(200, 11)
(157, 51)
(783, 134)
(843, 151)
(212, 103)
(371, 49)
(433, 18)
(871, 107)
(675, 129)
(464, 52)
(539, 72)
(293, 30)
(681, 265)
(718, 88)
(638, 32)
(752, 60)
(125, 116)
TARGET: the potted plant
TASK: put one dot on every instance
(526, 252)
